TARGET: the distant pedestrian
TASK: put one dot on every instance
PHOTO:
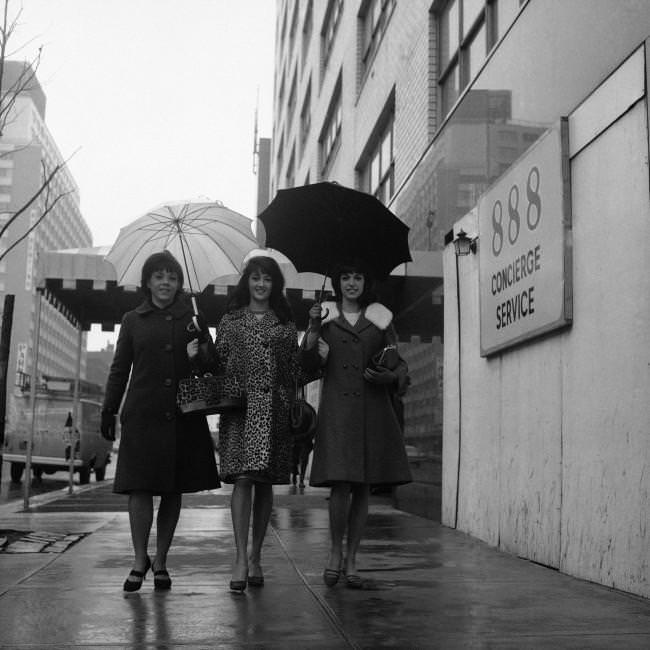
(256, 343)
(302, 448)
(358, 440)
(161, 451)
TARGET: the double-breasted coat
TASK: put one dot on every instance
(161, 450)
(358, 437)
(262, 355)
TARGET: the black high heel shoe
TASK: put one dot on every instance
(134, 585)
(239, 586)
(161, 579)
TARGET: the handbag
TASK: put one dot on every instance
(388, 357)
(302, 415)
(209, 394)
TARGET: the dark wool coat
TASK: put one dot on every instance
(161, 450)
(262, 355)
(358, 438)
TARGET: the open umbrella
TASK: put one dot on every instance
(207, 238)
(317, 226)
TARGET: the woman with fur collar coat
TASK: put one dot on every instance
(359, 441)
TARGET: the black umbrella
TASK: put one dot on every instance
(321, 225)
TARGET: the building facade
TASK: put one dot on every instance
(27, 152)
(362, 89)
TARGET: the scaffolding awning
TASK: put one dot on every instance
(82, 285)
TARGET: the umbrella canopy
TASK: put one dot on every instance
(320, 225)
(208, 239)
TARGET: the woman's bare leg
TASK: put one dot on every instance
(339, 506)
(357, 519)
(262, 507)
(168, 513)
(140, 520)
(240, 510)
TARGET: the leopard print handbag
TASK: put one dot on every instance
(209, 394)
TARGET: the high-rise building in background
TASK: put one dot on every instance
(27, 152)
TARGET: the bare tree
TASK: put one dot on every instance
(43, 198)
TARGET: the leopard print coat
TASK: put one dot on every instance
(262, 355)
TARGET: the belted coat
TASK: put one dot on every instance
(161, 450)
(358, 437)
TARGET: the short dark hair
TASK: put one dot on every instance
(163, 261)
(277, 301)
(354, 266)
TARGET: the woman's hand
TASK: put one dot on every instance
(379, 376)
(315, 316)
(193, 349)
(323, 349)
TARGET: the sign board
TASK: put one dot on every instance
(525, 246)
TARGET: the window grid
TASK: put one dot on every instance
(332, 19)
(374, 21)
(467, 31)
(332, 130)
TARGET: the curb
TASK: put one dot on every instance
(16, 507)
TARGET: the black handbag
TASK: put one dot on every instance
(388, 357)
(303, 416)
(210, 394)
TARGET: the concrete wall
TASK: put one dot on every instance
(553, 434)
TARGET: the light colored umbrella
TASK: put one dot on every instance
(208, 239)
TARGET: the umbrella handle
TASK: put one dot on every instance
(194, 325)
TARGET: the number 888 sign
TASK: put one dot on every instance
(533, 211)
(524, 277)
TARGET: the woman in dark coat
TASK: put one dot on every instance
(161, 451)
(359, 442)
(256, 343)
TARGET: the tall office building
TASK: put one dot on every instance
(27, 152)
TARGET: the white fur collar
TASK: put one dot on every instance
(376, 313)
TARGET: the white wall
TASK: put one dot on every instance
(554, 433)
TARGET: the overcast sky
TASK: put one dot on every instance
(156, 97)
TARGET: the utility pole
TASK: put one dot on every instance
(5, 346)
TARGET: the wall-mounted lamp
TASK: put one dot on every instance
(464, 244)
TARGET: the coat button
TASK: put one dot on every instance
(168, 317)
(168, 347)
(168, 382)
(345, 366)
(169, 415)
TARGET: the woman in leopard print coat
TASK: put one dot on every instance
(256, 343)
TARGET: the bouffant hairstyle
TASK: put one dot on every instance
(278, 301)
(354, 266)
(163, 261)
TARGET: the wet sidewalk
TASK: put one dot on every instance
(426, 586)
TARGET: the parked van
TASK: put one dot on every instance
(55, 433)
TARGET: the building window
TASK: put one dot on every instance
(330, 24)
(291, 170)
(467, 31)
(294, 28)
(373, 16)
(305, 116)
(279, 152)
(291, 104)
(377, 169)
(331, 133)
(307, 30)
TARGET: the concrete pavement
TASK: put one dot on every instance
(426, 586)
